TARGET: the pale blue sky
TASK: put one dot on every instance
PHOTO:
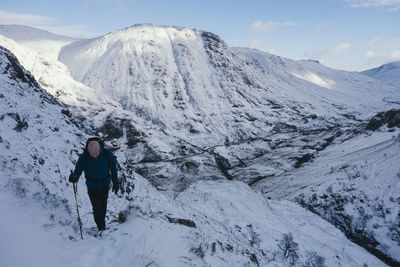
(343, 34)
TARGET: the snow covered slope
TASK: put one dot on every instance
(217, 223)
(389, 73)
(355, 186)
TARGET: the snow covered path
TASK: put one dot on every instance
(27, 238)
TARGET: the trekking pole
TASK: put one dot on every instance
(75, 185)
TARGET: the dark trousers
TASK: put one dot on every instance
(98, 197)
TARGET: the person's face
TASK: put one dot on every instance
(94, 149)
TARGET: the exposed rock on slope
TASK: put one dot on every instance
(391, 118)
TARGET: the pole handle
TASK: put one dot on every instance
(75, 186)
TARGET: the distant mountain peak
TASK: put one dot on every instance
(22, 33)
(389, 73)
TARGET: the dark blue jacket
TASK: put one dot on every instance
(97, 171)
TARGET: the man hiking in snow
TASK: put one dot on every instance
(100, 166)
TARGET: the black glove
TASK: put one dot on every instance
(73, 178)
(115, 187)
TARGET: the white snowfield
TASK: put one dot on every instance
(180, 93)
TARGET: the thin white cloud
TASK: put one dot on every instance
(320, 26)
(260, 27)
(45, 23)
(393, 44)
(374, 59)
(23, 19)
(383, 52)
(391, 5)
(120, 3)
(373, 41)
(328, 54)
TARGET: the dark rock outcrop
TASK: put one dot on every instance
(391, 118)
(185, 222)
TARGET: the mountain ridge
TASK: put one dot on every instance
(179, 66)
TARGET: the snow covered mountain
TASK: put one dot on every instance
(191, 85)
(217, 223)
(389, 73)
(189, 114)
(193, 82)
